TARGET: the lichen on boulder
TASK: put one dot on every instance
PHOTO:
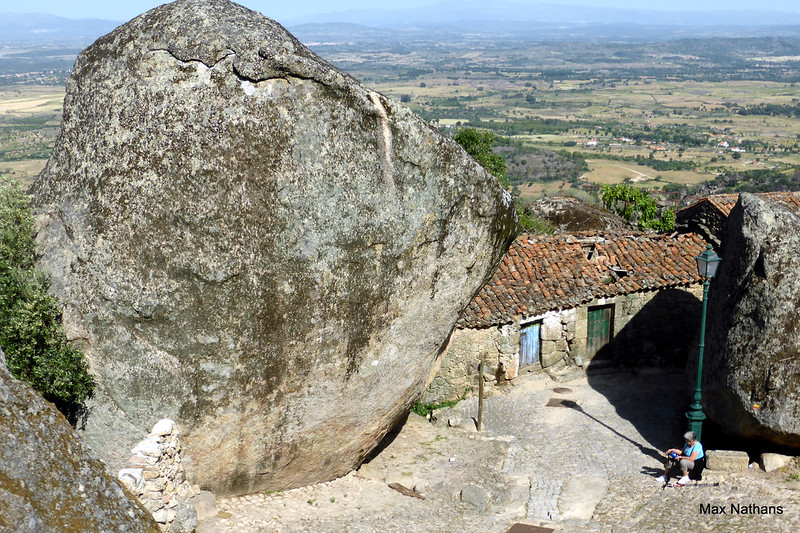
(49, 480)
(251, 243)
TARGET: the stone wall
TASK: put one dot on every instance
(563, 336)
(157, 478)
(458, 372)
(649, 328)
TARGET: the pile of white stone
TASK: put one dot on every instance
(156, 475)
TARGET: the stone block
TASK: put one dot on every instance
(561, 345)
(163, 427)
(506, 340)
(149, 447)
(773, 461)
(151, 473)
(157, 485)
(510, 366)
(581, 328)
(130, 477)
(552, 358)
(160, 516)
(727, 460)
(551, 328)
(476, 496)
(137, 461)
(547, 348)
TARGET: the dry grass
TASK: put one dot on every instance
(23, 171)
(31, 101)
(607, 172)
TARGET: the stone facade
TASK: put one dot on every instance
(458, 372)
(157, 478)
(649, 328)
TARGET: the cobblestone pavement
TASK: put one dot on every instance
(586, 434)
(608, 427)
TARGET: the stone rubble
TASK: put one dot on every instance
(157, 478)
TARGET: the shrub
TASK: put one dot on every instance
(532, 224)
(424, 409)
(478, 144)
(31, 335)
(631, 203)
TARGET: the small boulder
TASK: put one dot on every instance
(163, 427)
(476, 496)
(774, 461)
(571, 215)
(205, 503)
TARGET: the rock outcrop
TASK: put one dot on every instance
(48, 479)
(254, 245)
(571, 215)
(751, 383)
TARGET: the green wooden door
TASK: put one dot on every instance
(600, 322)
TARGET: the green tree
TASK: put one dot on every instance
(31, 335)
(478, 144)
(631, 203)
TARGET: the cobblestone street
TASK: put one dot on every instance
(577, 454)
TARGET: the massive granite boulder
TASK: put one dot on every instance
(751, 381)
(49, 481)
(253, 244)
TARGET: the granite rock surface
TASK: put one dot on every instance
(253, 244)
(49, 480)
(751, 371)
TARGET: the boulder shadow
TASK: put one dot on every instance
(640, 371)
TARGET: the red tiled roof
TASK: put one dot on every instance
(544, 273)
(725, 202)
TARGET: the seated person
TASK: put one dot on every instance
(685, 459)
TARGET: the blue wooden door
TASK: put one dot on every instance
(529, 344)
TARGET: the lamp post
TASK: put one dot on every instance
(707, 263)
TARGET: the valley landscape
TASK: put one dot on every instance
(686, 117)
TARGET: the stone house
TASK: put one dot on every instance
(579, 299)
(708, 216)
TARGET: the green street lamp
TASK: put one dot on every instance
(707, 263)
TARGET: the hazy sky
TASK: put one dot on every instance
(283, 10)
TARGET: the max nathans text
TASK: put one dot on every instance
(737, 508)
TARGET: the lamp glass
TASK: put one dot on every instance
(707, 263)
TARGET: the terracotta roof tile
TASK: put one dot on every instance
(725, 202)
(544, 273)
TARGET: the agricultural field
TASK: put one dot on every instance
(697, 126)
(671, 116)
(30, 116)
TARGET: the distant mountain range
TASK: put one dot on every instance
(469, 19)
(458, 12)
(26, 29)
